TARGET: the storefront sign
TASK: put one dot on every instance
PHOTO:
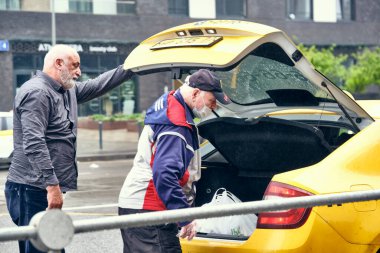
(96, 48)
(4, 45)
(102, 49)
(44, 47)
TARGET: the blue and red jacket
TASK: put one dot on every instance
(167, 163)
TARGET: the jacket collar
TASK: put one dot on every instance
(54, 84)
(189, 114)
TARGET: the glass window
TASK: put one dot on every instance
(22, 78)
(299, 9)
(179, 7)
(344, 10)
(89, 62)
(80, 6)
(108, 62)
(231, 8)
(11, 5)
(126, 7)
(23, 61)
(121, 99)
(263, 71)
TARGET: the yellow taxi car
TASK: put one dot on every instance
(288, 132)
(6, 139)
(371, 106)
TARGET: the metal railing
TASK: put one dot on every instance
(53, 230)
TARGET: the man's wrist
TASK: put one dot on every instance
(52, 187)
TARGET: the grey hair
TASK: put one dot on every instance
(57, 51)
(187, 81)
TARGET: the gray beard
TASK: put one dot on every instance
(68, 84)
(67, 81)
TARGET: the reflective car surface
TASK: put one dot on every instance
(288, 132)
(371, 106)
(6, 139)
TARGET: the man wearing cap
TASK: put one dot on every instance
(167, 163)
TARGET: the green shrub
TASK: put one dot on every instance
(365, 71)
(118, 117)
(99, 117)
(325, 61)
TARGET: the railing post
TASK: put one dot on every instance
(55, 230)
(100, 134)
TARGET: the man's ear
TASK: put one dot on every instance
(58, 63)
(195, 92)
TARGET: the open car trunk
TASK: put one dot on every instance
(248, 152)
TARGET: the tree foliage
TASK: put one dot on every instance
(356, 77)
(326, 62)
(365, 71)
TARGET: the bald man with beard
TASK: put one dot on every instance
(45, 128)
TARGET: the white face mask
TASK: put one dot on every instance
(203, 112)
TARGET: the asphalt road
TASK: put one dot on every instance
(99, 184)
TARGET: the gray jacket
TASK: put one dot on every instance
(45, 128)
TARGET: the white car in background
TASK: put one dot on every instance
(6, 139)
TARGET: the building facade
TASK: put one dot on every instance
(105, 31)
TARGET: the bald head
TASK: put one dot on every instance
(62, 63)
(58, 52)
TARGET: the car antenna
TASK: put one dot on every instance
(341, 107)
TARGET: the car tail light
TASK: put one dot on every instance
(285, 219)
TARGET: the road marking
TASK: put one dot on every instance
(75, 214)
(79, 208)
(82, 208)
(88, 207)
(91, 214)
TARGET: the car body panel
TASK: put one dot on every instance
(353, 160)
(270, 241)
(317, 112)
(355, 165)
(241, 34)
(371, 106)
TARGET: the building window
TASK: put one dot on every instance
(126, 7)
(179, 7)
(300, 9)
(231, 8)
(80, 6)
(10, 5)
(344, 10)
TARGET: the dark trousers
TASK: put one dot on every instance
(24, 201)
(157, 239)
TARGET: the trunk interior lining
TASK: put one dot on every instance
(265, 145)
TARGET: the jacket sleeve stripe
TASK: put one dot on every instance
(176, 134)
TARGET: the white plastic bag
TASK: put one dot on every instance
(238, 225)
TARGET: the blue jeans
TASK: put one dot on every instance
(23, 202)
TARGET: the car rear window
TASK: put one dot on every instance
(250, 81)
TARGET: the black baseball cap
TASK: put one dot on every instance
(205, 80)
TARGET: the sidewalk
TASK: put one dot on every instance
(117, 144)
